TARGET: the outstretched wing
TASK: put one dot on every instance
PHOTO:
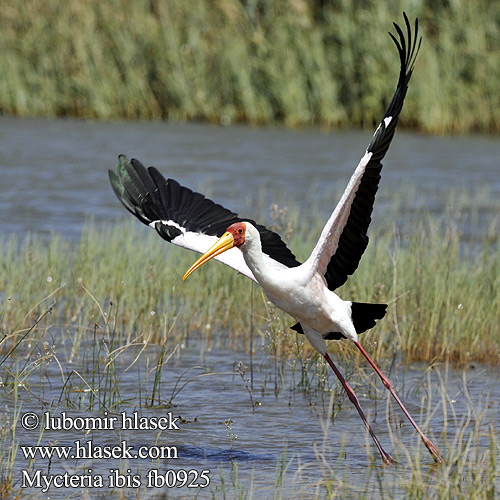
(184, 217)
(344, 237)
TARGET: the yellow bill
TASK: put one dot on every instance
(225, 242)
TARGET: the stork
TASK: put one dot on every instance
(303, 290)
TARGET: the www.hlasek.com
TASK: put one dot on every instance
(90, 450)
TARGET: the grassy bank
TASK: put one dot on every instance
(443, 292)
(280, 61)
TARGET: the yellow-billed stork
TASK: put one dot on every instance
(305, 291)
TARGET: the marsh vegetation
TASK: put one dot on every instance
(443, 292)
(281, 61)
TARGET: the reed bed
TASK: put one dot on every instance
(281, 61)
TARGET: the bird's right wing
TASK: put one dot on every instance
(344, 237)
(186, 218)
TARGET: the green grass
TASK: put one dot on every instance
(125, 282)
(277, 61)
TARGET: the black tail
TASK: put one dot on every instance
(364, 315)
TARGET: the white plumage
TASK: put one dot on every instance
(305, 291)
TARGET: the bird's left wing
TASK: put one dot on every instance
(344, 237)
(187, 218)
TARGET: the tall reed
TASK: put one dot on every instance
(280, 61)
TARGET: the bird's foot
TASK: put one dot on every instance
(388, 460)
(434, 452)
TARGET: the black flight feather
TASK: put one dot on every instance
(354, 240)
(150, 197)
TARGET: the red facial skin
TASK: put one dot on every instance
(238, 230)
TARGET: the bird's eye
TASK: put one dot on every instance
(240, 231)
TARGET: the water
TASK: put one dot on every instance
(54, 177)
(54, 172)
(217, 426)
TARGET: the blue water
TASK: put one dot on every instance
(54, 172)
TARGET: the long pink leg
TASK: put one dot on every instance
(354, 400)
(428, 443)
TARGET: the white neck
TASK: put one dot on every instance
(253, 255)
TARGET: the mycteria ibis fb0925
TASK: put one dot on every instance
(305, 291)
